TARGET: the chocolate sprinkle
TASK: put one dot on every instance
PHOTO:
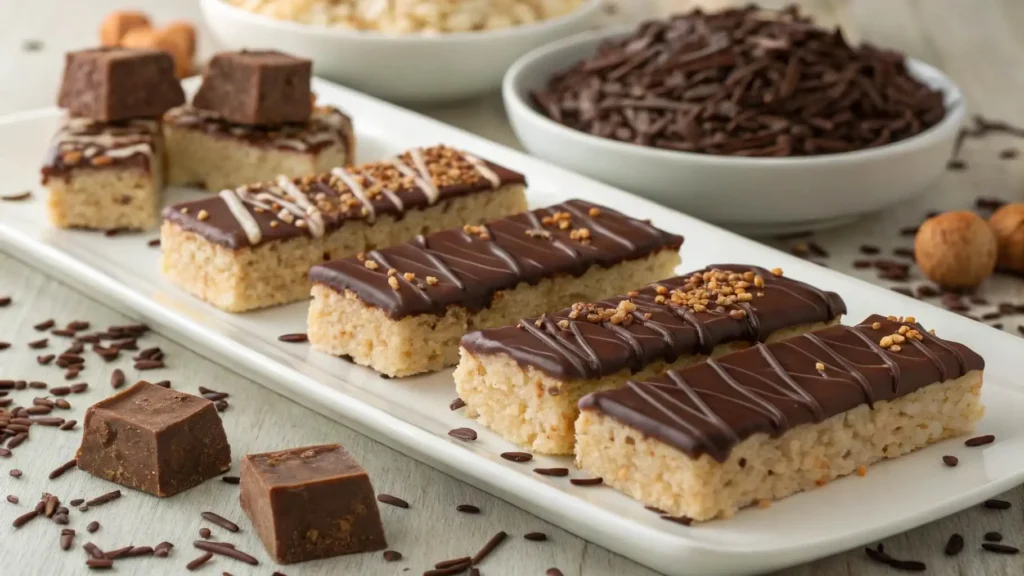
(993, 536)
(468, 509)
(980, 440)
(99, 563)
(93, 526)
(231, 479)
(67, 536)
(17, 196)
(392, 555)
(293, 338)
(684, 520)
(954, 545)
(60, 470)
(392, 500)
(117, 378)
(999, 548)
(456, 404)
(204, 532)
(587, 481)
(535, 536)
(553, 572)
(552, 471)
(906, 565)
(199, 561)
(12, 498)
(489, 547)
(108, 497)
(25, 518)
(950, 461)
(517, 456)
(464, 434)
(223, 550)
(220, 521)
(994, 504)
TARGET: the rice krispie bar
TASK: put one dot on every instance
(403, 309)
(211, 153)
(776, 419)
(252, 247)
(105, 175)
(524, 381)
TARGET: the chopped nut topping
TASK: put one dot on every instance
(409, 276)
(563, 324)
(894, 348)
(361, 256)
(101, 160)
(273, 223)
(431, 280)
(184, 210)
(876, 326)
(535, 233)
(910, 319)
(581, 235)
(594, 212)
(538, 322)
(203, 215)
(777, 272)
(371, 265)
(885, 342)
(71, 157)
(392, 271)
(393, 282)
(737, 314)
(819, 367)
(478, 231)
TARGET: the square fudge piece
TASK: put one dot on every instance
(155, 440)
(208, 151)
(309, 503)
(110, 84)
(105, 175)
(257, 88)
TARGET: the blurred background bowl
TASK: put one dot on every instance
(758, 196)
(406, 68)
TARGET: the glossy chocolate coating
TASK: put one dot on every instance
(710, 407)
(568, 346)
(472, 264)
(221, 227)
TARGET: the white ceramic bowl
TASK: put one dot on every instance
(413, 68)
(753, 195)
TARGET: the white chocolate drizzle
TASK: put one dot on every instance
(481, 167)
(242, 215)
(314, 219)
(357, 191)
(426, 185)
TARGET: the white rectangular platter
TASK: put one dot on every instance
(412, 414)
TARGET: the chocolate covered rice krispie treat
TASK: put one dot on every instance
(252, 246)
(776, 419)
(402, 310)
(212, 153)
(524, 380)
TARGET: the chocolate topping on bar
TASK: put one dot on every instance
(689, 314)
(82, 143)
(109, 84)
(468, 266)
(319, 204)
(709, 408)
(326, 127)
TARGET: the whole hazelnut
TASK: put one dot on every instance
(956, 249)
(1008, 224)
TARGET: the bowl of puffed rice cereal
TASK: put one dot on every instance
(402, 50)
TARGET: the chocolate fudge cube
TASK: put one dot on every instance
(262, 88)
(153, 439)
(109, 84)
(312, 502)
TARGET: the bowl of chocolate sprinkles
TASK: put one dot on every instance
(755, 119)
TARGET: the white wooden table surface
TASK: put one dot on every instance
(977, 43)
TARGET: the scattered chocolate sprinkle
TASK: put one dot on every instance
(989, 203)
(464, 434)
(906, 565)
(950, 461)
(117, 378)
(231, 479)
(60, 470)
(214, 396)
(4, 345)
(1008, 153)
(552, 471)
(25, 518)
(99, 563)
(489, 547)
(221, 405)
(553, 572)
(587, 481)
(392, 555)
(220, 521)
(44, 325)
(93, 526)
(67, 536)
(115, 554)
(113, 232)
(454, 562)
(870, 250)
(218, 548)
(294, 338)
(45, 359)
(204, 532)
(15, 442)
(517, 456)
(862, 264)
(5, 301)
(393, 500)
(196, 563)
(535, 536)
(456, 404)
(37, 344)
(154, 243)
(15, 473)
(79, 388)
(108, 497)
(77, 501)
(69, 425)
(16, 197)
(956, 165)
(163, 383)
(993, 536)
(468, 509)
(995, 504)
(980, 440)
(457, 569)
(4, 453)
(62, 404)
(999, 548)
(148, 364)
(12, 499)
